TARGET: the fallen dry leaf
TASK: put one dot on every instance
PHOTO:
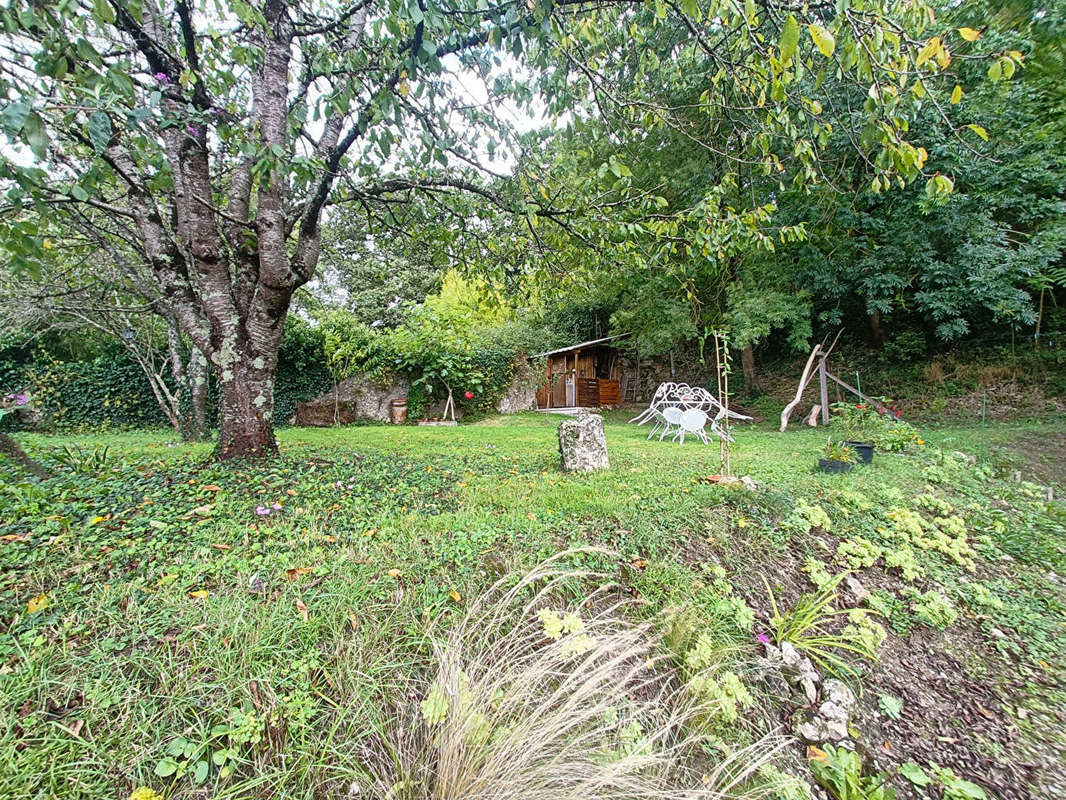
(210, 488)
(199, 594)
(454, 595)
(639, 563)
(38, 603)
(816, 753)
(353, 620)
(301, 608)
(222, 546)
(393, 573)
(295, 572)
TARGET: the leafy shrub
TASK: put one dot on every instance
(931, 607)
(302, 373)
(465, 340)
(857, 553)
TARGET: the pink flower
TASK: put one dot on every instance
(763, 638)
(468, 395)
(276, 506)
(262, 510)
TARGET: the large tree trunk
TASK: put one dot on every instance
(877, 331)
(246, 409)
(747, 364)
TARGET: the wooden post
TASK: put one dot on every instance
(823, 388)
(636, 389)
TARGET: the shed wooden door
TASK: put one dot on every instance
(558, 390)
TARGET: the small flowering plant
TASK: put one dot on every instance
(13, 402)
(266, 511)
(838, 451)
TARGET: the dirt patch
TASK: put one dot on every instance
(1042, 457)
(950, 716)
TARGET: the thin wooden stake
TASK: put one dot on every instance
(823, 388)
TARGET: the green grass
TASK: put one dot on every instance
(171, 608)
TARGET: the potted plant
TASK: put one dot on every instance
(858, 422)
(837, 457)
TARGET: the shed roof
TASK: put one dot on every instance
(582, 345)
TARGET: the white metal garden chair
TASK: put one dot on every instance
(671, 400)
(671, 420)
(692, 421)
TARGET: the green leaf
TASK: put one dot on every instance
(166, 767)
(99, 126)
(823, 39)
(915, 774)
(103, 11)
(967, 789)
(202, 768)
(36, 137)
(14, 117)
(979, 131)
(789, 39)
(78, 193)
(995, 72)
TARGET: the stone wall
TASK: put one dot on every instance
(521, 395)
(686, 368)
(352, 400)
(358, 399)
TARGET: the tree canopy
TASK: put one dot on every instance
(203, 145)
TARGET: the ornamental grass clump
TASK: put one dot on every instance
(831, 637)
(526, 698)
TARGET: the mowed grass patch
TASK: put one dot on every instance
(256, 613)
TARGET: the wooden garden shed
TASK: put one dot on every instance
(585, 375)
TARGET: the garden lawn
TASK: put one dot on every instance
(233, 631)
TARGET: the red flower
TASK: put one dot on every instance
(860, 405)
(468, 395)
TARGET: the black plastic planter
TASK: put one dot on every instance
(829, 465)
(864, 450)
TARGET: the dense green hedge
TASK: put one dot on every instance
(302, 372)
(109, 391)
(103, 392)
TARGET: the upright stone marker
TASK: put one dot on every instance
(582, 445)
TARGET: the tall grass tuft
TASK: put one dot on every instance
(526, 698)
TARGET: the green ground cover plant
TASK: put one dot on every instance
(193, 629)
